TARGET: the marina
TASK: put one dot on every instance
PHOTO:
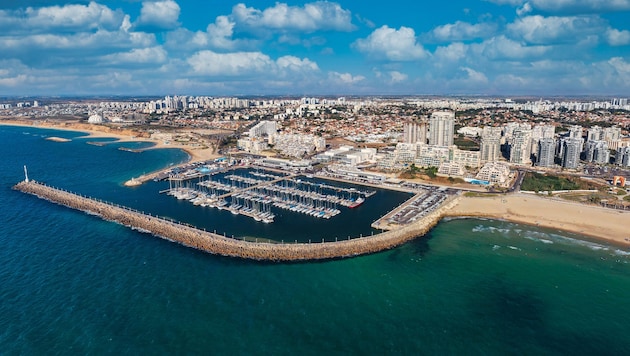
(257, 193)
(214, 243)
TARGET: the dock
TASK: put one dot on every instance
(255, 193)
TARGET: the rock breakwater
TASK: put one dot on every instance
(225, 246)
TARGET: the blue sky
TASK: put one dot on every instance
(211, 47)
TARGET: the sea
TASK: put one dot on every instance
(72, 283)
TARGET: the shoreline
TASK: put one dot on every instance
(527, 209)
(98, 131)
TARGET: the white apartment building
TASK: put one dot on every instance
(441, 128)
(263, 128)
(490, 149)
(546, 152)
(494, 172)
(296, 145)
(520, 147)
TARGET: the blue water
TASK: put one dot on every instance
(71, 283)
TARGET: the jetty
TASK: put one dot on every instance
(217, 244)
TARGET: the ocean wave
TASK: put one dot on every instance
(573, 241)
(490, 229)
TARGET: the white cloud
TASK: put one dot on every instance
(621, 67)
(159, 14)
(241, 64)
(581, 6)
(155, 54)
(548, 30)
(507, 2)
(344, 78)
(60, 19)
(568, 6)
(616, 37)
(397, 77)
(219, 33)
(229, 64)
(101, 41)
(459, 31)
(524, 10)
(320, 15)
(296, 64)
(392, 44)
(474, 76)
(503, 48)
(453, 52)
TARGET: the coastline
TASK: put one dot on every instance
(520, 208)
(606, 225)
(98, 131)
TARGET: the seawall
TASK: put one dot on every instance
(225, 246)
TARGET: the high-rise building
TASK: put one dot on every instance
(623, 156)
(572, 147)
(415, 132)
(264, 128)
(539, 132)
(546, 152)
(612, 136)
(575, 131)
(442, 128)
(520, 148)
(595, 133)
(490, 149)
(597, 151)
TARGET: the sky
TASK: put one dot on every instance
(353, 47)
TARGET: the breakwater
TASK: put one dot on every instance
(225, 246)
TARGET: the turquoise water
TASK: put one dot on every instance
(72, 283)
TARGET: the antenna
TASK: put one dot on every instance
(25, 174)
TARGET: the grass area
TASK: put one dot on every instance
(429, 173)
(592, 197)
(542, 182)
(415, 172)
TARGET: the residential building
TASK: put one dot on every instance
(490, 148)
(571, 149)
(494, 172)
(623, 156)
(520, 147)
(546, 152)
(415, 132)
(441, 128)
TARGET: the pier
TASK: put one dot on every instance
(221, 245)
(254, 195)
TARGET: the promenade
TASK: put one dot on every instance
(225, 246)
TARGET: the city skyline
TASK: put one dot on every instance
(491, 47)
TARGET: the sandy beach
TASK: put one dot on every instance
(598, 222)
(121, 135)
